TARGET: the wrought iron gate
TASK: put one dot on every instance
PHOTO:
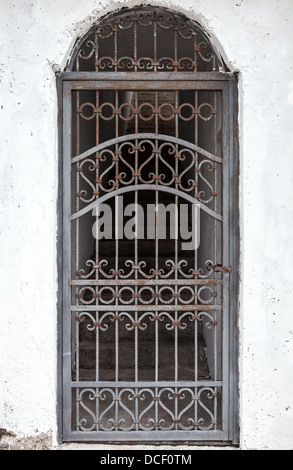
(147, 326)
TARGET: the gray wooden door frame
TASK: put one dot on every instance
(227, 83)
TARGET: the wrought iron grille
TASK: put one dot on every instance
(145, 324)
(147, 39)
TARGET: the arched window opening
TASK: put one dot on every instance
(148, 268)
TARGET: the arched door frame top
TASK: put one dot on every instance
(92, 51)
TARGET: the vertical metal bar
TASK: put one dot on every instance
(115, 47)
(195, 252)
(234, 256)
(97, 257)
(155, 46)
(215, 333)
(116, 290)
(96, 51)
(116, 350)
(176, 408)
(60, 331)
(175, 48)
(216, 408)
(176, 239)
(77, 349)
(77, 205)
(216, 260)
(195, 49)
(77, 260)
(215, 178)
(77, 62)
(136, 242)
(97, 238)
(215, 149)
(226, 259)
(195, 400)
(77, 372)
(116, 408)
(156, 404)
(116, 245)
(136, 410)
(156, 244)
(136, 256)
(135, 46)
(136, 339)
(75, 346)
(67, 129)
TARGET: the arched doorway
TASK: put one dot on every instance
(149, 258)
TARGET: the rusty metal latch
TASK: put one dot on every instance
(218, 268)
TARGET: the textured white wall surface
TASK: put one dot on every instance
(256, 37)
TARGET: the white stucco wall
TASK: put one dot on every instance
(257, 38)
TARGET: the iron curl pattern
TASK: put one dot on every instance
(118, 168)
(181, 270)
(148, 409)
(184, 319)
(146, 295)
(146, 111)
(192, 50)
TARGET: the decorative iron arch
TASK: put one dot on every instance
(163, 41)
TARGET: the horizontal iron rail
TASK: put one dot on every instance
(152, 76)
(147, 85)
(145, 308)
(145, 282)
(145, 436)
(142, 384)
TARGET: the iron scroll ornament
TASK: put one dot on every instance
(100, 50)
